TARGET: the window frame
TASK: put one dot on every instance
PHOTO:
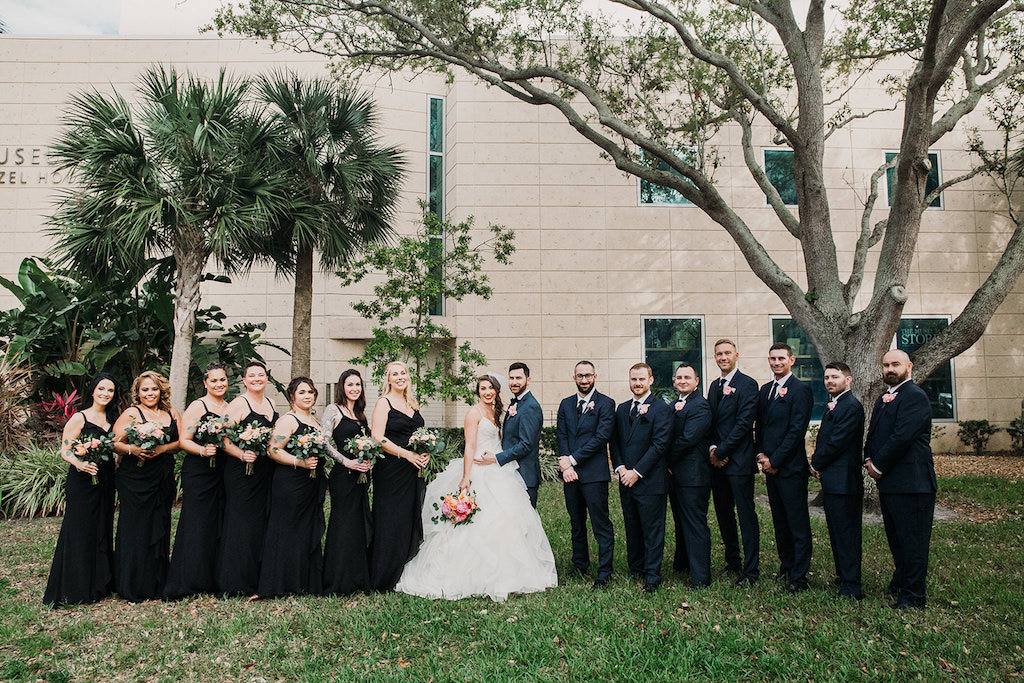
(701, 318)
(640, 183)
(764, 166)
(938, 171)
(438, 308)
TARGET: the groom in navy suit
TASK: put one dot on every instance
(585, 423)
(520, 432)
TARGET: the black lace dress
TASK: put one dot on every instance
(397, 503)
(83, 563)
(193, 569)
(346, 560)
(246, 504)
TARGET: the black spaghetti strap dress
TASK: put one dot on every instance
(346, 560)
(83, 563)
(292, 561)
(397, 503)
(142, 546)
(246, 504)
(193, 569)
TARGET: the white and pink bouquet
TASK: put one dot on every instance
(425, 440)
(211, 432)
(146, 435)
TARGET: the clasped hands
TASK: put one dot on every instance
(713, 459)
(568, 471)
(872, 472)
(419, 460)
(766, 464)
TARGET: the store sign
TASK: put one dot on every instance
(28, 166)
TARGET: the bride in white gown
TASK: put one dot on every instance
(503, 549)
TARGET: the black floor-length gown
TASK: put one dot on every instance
(397, 502)
(246, 504)
(142, 546)
(346, 560)
(193, 569)
(83, 563)
(292, 561)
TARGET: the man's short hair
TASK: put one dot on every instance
(777, 346)
(585, 362)
(688, 364)
(841, 367)
(520, 366)
(730, 342)
(643, 366)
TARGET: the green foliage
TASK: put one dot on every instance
(439, 262)
(1016, 432)
(15, 382)
(975, 434)
(32, 482)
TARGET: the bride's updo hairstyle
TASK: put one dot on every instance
(498, 407)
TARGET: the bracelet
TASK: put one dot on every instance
(129, 449)
(295, 464)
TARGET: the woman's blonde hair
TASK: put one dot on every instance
(162, 384)
(407, 395)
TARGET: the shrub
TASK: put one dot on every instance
(975, 434)
(15, 384)
(1016, 432)
(32, 482)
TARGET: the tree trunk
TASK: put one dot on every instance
(186, 303)
(302, 311)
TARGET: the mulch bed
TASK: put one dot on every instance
(956, 465)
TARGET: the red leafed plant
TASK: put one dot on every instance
(51, 416)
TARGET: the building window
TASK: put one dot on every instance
(807, 366)
(653, 193)
(435, 179)
(911, 334)
(933, 178)
(778, 165)
(667, 343)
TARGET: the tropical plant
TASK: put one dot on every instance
(339, 170)
(51, 416)
(975, 434)
(32, 482)
(15, 386)
(189, 172)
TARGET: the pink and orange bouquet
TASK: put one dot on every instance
(250, 437)
(211, 432)
(311, 444)
(95, 449)
(365, 448)
(457, 508)
(146, 435)
(425, 440)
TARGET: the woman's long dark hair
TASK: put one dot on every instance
(498, 407)
(113, 408)
(359, 405)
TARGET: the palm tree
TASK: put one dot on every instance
(347, 180)
(191, 172)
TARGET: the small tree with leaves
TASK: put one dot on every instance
(439, 263)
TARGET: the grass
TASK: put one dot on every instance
(971, 629)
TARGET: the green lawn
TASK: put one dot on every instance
(970, 631)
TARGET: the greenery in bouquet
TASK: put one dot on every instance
(146, 435)
(251, 436)
(210, 431)
(365, 448)
(94, 449)
(425, 440)
(311, 444)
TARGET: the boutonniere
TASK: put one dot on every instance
(888, 397)
(590, 406)
(831, 405)
(727, 389)
(679, 405)
(781, 392)
(511, 411)
(642, 410)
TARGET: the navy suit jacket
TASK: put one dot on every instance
(585, 437)
(837, 450)
(733, 423)
(520, 439)
(688, 456)
(899, 442)
(644, 445)
(782, 426)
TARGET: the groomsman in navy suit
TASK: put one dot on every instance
(733, 399)
(836, 464)
(690, 475)
(520, 432)
(783, 413)
(585, 423)
(643, 429)
(898, 456)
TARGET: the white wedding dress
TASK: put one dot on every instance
(502, 550)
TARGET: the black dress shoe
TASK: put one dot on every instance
(902, 605)
(599, 585)
(744, 582)
(650, 588)
(796, 588)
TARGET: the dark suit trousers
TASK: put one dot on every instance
(532, 491)
(644, 519)
(788, 498)
(581, 500)
(680, 559)
(737, 493)
(690, 510)
(843, 515)
(908, 527)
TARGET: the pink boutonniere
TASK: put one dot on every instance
(781, 392)
(831, 405)
(511, 411)
(590, 406)
(679, 405)
(642, 410)
(727, 389)
(888, 397)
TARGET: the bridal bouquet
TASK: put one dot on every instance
(308, 445)
(95, 449)
(365, 449)
(210, 432)
(425, 440)
(457, 508)
(250, 437)
(146, 435)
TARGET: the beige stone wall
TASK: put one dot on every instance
(591, 262)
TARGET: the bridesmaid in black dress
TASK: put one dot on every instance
(346, 561)
(145, 492)
(246, 496)
(292, 562)
(194, 561)
(397, 490)
(83, 563)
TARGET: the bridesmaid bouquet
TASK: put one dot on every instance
(457, 508)
(309, 445)
(365, 448)
(251, 437)
(425, 440)
(95, 449)
(146, 435)
(210, 432)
